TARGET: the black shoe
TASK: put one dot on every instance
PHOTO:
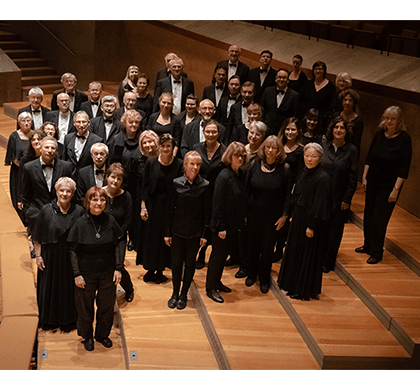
(360, 249)
(129, 296)
(215, 296)
(231, 262)
(160, 278)
(296, 296)
(241, 274)
(130, 246)
(149, 276)
(264, 288)
(325, 270)
(249, 281)
(373, 260)
(106, 342)
(182, 303)
(173, 301)
(89, 344)
(223, 288)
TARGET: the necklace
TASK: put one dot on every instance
(97, 231)
(269, 167)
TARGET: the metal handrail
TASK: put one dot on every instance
(61, 42)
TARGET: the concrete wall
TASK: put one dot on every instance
(10, 80)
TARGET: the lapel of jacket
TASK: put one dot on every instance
(40, 173)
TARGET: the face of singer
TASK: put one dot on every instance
(63, 103)
(149, 146)
(64, 194)
(36, 142)
(49, 130)
(234, 53)
(35, 100)
(291, 131)
(48, 149)
(129, 100)
(99, 157)
(311, 158)
(220, 76)
(211, 133)
(108, 109)
(82, 124)
(69, 83)
(115, 180)
(234, 86)
(95, 91)
(192, 167)
(97, 205)
(282, 79)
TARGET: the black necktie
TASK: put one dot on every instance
(94, 102)
(98, 172)
(44, 166)
(177, 81)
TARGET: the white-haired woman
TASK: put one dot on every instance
(301, 269)
(387, 166)
(55, 282)
(16, 148)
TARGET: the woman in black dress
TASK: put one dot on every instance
(310, 127)
(188, 225)
(120, 206)
(387, 166)
(165, 122)
(319, 93)
(96, 260)
(301, 268)
(228, 217)
(211, 151)
(16, 148)
(159, 173)
(144, 100)
(340, 162)
(55, 282)
(297, 77)
(129, 83)
(269, 187)
(343, 82)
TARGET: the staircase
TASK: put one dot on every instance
(35, 70)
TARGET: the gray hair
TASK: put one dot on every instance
(24, 115)
(79, 113)
(36, 90)
(99, 146)
(109, 98)
(67, 75)
(95, 83)
(315, 146)
(66, 181)
(261, 126)
(49, 138)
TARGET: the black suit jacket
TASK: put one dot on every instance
(69, 154)
(165, 85)
(79, 98)
(35, 191)
(52, 116)
(98, 128)
(87, 107)
(85, 180)
(274, 117)
(44, 111)
(270, 80)
(222, 112)
(163, 73)
(234, 121)
(242, 70)
(209, 92)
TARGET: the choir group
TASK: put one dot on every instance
(262, 169)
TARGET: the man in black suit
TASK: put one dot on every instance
(263, 76)
(223, 110)
(39, 177)
(107, 125)
(233, 65)
(166, 72)
(93, 174)
(279, 102)
(37, 111)
(176, 84)
(129, 102)
(76, 96)
(77, 144)
(218, 88)
(193, 132)
(93, 106)
(63, 117)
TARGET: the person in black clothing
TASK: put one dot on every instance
(129, 82)
(387, 166)
(188, 224)
(120, 206)
(55, 283)
(144, 99)
(228, 217)
(311, 129)
(301, 268)
(96, 260)
(269, 186)
(340, 162)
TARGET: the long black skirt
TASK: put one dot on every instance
(301, 268)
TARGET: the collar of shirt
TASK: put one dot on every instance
(176, 83)
(43, 163)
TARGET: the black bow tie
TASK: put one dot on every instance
(98, 172)
(81, 136)
(44, 166)
(108, 120)
(177, 81)
(245, 104)
(219, 87)
(36, 111)
(263, 70)
(70, 94)
(281, 92)
(232, 65)
(94, 102)
(232, 98)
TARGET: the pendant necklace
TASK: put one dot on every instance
(98, 235)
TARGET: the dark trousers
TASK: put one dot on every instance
(378, 211)
(337, 221)
(125, 282)
(219, 253)
(101, 286)
(184, 252)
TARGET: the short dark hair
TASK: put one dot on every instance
(167, 137)
(298, 56)
(117, 168)
(94, 190)
(320, 63)
(267, 52)
(354, 95)
(347, 125)
(144, 75)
